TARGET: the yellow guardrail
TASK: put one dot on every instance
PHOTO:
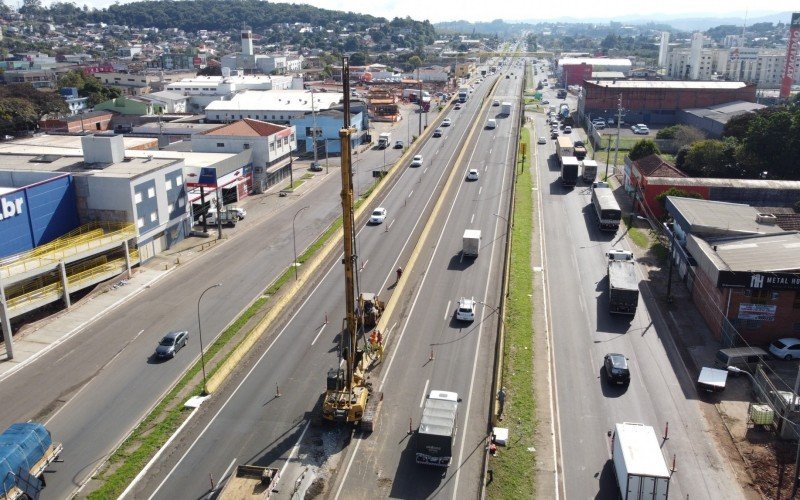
(53, 289)
(80, 240)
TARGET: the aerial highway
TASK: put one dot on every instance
(246, 422)
(582, 331)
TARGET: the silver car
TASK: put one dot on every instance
(172, 343)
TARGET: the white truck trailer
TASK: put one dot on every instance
(641, 471)
(472, 242)
(384, 140)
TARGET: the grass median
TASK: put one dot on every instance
(513, 467)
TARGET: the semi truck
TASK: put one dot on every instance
(463, 94)
(505, 108)
(564, 147)
(471, 243)
(623, 287)
(26, 450)
(437, 429)
(384, 140)
(642, 473)
(606, 208)
(588, 171)
(569, 170)
(250, 481)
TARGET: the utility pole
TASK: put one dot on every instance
(314, 127)
(419, 101)
(616, 148)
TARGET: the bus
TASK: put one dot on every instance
(606, 208)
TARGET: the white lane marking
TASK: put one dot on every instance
(161, 450)
(50, 419)
(318, 334)
(411, 311)
(480, 327)
(222, 477)
(480, 189)
(390, 224)
(447, 310)
(424, 392)
(295, 447)
(409, 194)
(472, 219)
(240, 384)
(425, 170)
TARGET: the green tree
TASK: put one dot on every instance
(17, 114)
(661, 198)
(645, 147)
(358, 59)
(712, 158)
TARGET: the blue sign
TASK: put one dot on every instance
(208, 177)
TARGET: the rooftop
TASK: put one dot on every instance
(74, 164)
(247, 127)
(599, 61)
(654, 166)
(765, 252)
(716, 218)
(278, 100)
(669, 85)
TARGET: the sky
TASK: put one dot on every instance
(517, 10)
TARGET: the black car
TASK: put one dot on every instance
(616, 368)
(171, 344)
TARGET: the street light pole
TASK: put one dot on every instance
(294, 244)
(200, 334)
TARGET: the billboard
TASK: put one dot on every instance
(792, 49)
(202, 177)
(759, 312)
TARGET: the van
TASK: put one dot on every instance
(744, 358)
(492, 123)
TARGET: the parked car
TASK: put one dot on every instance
(416, 161)
(616, 368)
(446, 122)
(554, 134)
(466, 310)
(378, 216)
(172, 343)
(495, 103)
(472, 175)
(642, 129)
(315, 166)
(785, 348)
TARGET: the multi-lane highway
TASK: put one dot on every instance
(247, 423)
(583, 332)
(94, 388)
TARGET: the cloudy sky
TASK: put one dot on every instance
(515, 10)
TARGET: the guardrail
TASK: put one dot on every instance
(74, 243)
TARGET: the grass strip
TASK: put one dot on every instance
(161, 423)
(637, 236)
(514, 464)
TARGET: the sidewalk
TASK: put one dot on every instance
(35, 339)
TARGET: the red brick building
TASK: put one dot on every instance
(658, 102)
(93, 121)
(575, 74)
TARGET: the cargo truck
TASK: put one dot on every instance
(463, 94)
(26, 450)
(250, 481)
(564, 147)
(623, 286)
(437, 429)
(505, 109)
(606, 208)
(588, 171)
(384, 139)
(569, 170)
(472, 243)
(642, 473)
(579, 150)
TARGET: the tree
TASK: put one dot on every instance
(414, 62)
(661, 198)
(358, 59)
(17, 114)
(645, 147)
(738, 126)
(712, 158)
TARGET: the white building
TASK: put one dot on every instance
(203, 90)
(248, 61)
(663, 49)
(277, 106)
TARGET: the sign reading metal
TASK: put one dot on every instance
(760, 312)
(758, 281)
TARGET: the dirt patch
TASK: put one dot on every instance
(772, 466)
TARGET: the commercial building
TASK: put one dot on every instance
(658, 102)
(249, 62)
(742, 269)
(273, 106)
(203, 90)
(574, 70)
(712, 119)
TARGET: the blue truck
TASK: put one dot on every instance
(26, 450)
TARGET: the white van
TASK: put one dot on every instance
(492, 123)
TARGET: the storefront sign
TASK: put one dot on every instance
(760, 312)
(10, 208)
(758, 281)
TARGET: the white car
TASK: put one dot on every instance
(491, 123)
(567, 129)
(466, 310)
(472, 175)
(542, 140)
(378, 216)
(786, 348)
(446, 122)
(416, 161)
(495, 103)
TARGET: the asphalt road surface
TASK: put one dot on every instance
(94, 388)
(583, 331)
(247, 424)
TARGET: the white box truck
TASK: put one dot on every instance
(472, 242)
(437, 429)
(384, 139)
(589, 171)
(641, 471)
(505, 110)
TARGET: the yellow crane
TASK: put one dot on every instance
(348, 396)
